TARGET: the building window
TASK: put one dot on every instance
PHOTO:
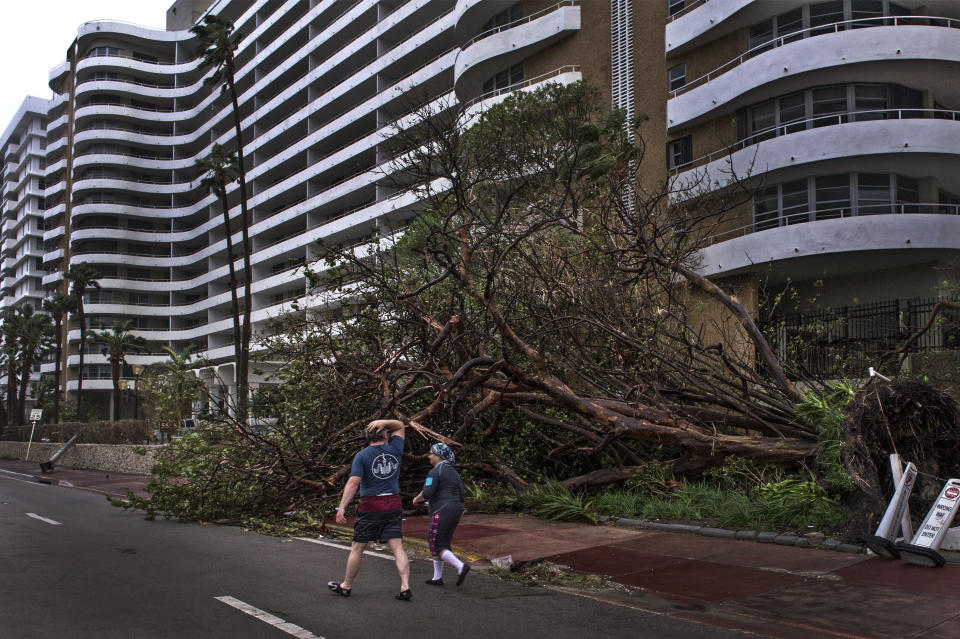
(680, 152)
(144, 57)
(949, 203)
(103, 51)
(505, 79)
(677, 77)
(825, 106)
(874, 194)
(828, 197)
(97, 76)
(819, 18)
(503, 18)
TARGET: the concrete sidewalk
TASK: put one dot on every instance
(766, 589)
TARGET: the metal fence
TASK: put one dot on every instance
(846, 340)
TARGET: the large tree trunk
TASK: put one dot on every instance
(770, 360)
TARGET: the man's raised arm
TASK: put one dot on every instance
(395, 426)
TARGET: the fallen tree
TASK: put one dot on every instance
(543, 289)
(542, 313)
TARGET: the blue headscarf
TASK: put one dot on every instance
(442, 451)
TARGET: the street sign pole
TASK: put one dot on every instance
(30, 443)
(35, 415)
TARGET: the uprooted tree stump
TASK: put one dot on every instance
(907, 417)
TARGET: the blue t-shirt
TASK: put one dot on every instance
(378, 467)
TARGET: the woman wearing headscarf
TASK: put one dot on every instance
(443, 492)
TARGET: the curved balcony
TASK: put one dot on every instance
(906, 50)
(53, 233)
(467, 14)
(924, 142)
(845, 243)
(52, 256)
(687, 28)
(564, 75)
(504, 46)
(132, 161)
(51, 278)
(130, 89)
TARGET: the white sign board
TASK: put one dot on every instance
(36, 414)
(937, 522)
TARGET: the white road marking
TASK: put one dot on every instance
(49, 521)
(266, 617)
(16, 473)
(342, 547)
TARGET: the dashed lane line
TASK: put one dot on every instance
(266, 617)
(49, 521)
(342, 547)
(11, 472)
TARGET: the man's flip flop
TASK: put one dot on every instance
(335, 588)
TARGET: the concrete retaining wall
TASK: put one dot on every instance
(119, 458)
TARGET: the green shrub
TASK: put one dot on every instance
(825, 413)
(555, 502)
(479, 498)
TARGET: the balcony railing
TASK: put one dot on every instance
(823, 29)
(570, 68)
(689, 6)
(872, 208)
(796, 126)
(523, 20)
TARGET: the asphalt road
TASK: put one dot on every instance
(74, 566)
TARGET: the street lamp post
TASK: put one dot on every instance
(137, 370)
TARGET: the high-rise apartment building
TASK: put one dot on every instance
(22, 148)
(838, 113)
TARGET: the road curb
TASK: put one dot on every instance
(814, 540)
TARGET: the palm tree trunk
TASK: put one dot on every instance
(25, 372)
(243, 362)
(83, 347)
(12, 388)
(235, 302)
(115, 375)
(56, 373)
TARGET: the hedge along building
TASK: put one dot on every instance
(321, 84)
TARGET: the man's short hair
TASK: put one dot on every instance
(373, 433)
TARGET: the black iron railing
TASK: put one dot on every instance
(846, 340)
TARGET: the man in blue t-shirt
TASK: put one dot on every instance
(375, 474)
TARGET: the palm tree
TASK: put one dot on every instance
(178, 368)
(218, 170)
(119, 341)
(217, 42)
(35, 335)
(59, 306)
(9, 327)
(82, 278)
